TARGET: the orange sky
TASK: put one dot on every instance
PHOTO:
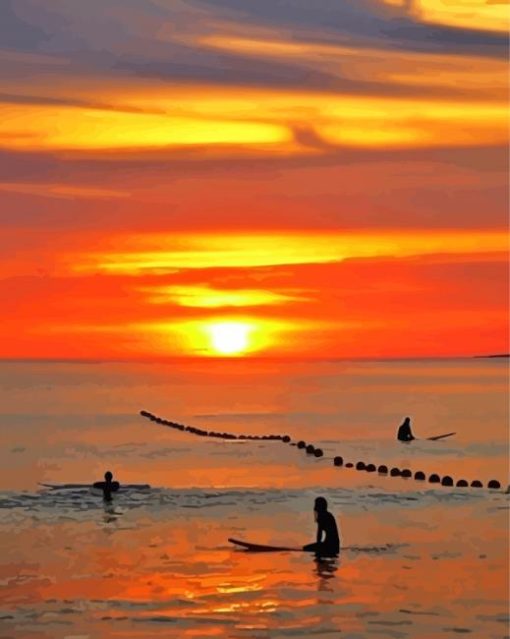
(228, 178)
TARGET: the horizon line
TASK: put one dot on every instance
(170, 359)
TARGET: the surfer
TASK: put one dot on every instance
(404, 431)
(107, 486)
(326, 525)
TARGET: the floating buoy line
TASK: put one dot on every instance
(210, 433)
(338, 461)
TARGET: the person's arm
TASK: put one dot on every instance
(320, 530)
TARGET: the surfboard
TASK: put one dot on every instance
(114, 486)
(261, 547)
(433, 439)
(98, 485)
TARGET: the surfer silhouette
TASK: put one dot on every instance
(404, 433)
(326, 525)
(107, 486)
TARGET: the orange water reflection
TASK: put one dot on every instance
(148, 571)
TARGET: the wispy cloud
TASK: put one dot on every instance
(196, 296)
(166, 253)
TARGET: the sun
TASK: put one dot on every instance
(230, 338)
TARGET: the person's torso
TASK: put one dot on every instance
(328, 524)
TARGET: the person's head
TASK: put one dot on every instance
(407, 420)
(321, 505)
(108, 476)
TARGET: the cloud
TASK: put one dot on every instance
(204, 296)
(395, 26)
(62, 191)
(161, 253)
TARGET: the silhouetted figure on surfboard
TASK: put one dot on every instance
(404, 433)
(107, 486)
(326, 525)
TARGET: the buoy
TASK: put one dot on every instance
(476, 484)
(434, 479)
(318, 452)
(406, 473)
(285, 439)
(494, 483)
(310, 449)
(338, 461)
(419, 475)
(462, 483)
(370, 468)
(301, 444)
(447, 481)
(382, 469)
(395, 472)
(349, 465)
(360, 465)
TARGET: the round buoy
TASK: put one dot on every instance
(419, 475)
(360, 465)
(395, 472)
(494, 483)
(349, 465)
(476, 484)
(370, 468)
(310, 449)
(301, 444)
(462, 483)
(434, 479)
(338, 461)
(447, 481)
(406, 473)
(382, 469)
(285, 439)
(318, 452)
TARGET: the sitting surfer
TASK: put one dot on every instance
(404, 431)
(326, 524)
(107, 486)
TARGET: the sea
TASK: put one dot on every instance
(419, 560)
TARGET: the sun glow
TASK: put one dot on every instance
(230, 338)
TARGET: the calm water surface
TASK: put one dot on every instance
(156, 563)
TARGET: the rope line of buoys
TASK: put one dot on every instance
(210, 433)
(405, 473)
(338, 461)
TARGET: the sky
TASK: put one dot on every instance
(197, 178)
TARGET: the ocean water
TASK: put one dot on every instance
(420, 560)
